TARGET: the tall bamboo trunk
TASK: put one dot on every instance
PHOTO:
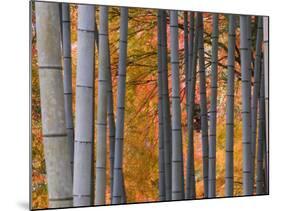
(256, 92)
(190, 180)
(67, 77)
(186, 62)
(213, 109)
(250, 70)
(82, 184)
(261, 137)
(189, 170)
(166, 109)
(161, 161)
(56, 146)
(230, 107)
(177, 160)
(101, 124)
(203, 106)
(246, 91)
(186, 52)
(121, 88)
(266, 87)
(186, 66)
(111, 121)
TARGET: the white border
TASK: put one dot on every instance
(14, 106)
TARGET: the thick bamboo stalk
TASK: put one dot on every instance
(266, 87)
(203, 106)
(190, 180)
(102, 108)
(246, 91)
(229, 175)
(161, 161)
(67, 77)
(256, 92)
(213, 109)
(166, 110)
(56, 147)
(121, 88)
(82, 189)
(260, 183)
(177, 157)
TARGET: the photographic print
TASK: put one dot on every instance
(134, 105)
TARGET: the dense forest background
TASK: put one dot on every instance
(141, 117)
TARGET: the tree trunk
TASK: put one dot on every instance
(213, 109)
(161, 163)
(119, 137)
(67, 77)
(203, 106)
(246, 91)
(166, 110)
(177, 160)
(190, 180)
(56, 146)
(266, 87)
(82, 186)
(261, 138)
(102, 108)
(256, 92)
(230, 107)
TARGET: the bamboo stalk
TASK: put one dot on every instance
(246, 91)
(177, 157)
(82, 189)
(101, 124)
(56, 146)
(119, 136)
(166, 109)
(213, 110)
(190, 180)
(161, 162)
(203, 106)
(67, 77)
(229, 174)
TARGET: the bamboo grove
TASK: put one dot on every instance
(85, 103)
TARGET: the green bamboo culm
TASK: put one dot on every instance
(56, 147)
(118, 183)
